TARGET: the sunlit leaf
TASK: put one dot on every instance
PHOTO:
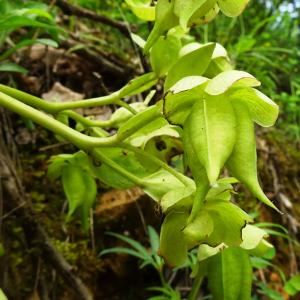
(232, 8)
(232, 78)
(178, 102)
(193, 63)
(164, 20)
(212, 133)
(230, 275)
(164, 54)
(261, 108)
(243, 156)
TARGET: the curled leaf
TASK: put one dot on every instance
(242, 162)
(262, 109)
(232, 8)
(173, 247)
(228, 79)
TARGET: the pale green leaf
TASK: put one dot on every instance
(228, 220)
(212, 133)
(252, 236)
(232, 8)
(206, 251)
(205, 13)
(142, 9)
(199, 229)
(2, 295)
(261, 108)
(138, 85)
(164, 54)
(138, 40)
(193, 63)
(164, 20)
(138, 121)
(184, 9)
(178, 102)
(243, 156)
(159, 183)
(173, 247)
(230, 275)
(232, 78)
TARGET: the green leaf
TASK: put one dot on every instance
(122, 250)
(2, 295)
(159, 183)
(122, 114)
(261, 108)
(157, 128)
(212, 133)
(252, 236)
(206, 251)
(138, 40)
(138, 121)
(193, 63)
(230, 275)
(243, 156)
(57, 163)
(232, 8)
(28, 42)
(164, 20)
(138, 85)
(142, 9)
(133, 243)
(154, 239)
(292, 287)
(179, 197)
(173, 247)
(164, 53)
(178, 101)
(228, 220)
(205, 14)
(12, 67)
(80, 189)
(199, 229)
(228, 79)
(125, 159)
(184, 9)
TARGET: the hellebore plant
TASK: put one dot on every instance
(207, 112)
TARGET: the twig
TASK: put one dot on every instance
(70, 9)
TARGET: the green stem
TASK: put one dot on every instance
(52, 107)
(127, 106)
(196, 286)
(158, 162)
(80, 140)
(85, 121)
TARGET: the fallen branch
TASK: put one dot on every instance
(70, 9)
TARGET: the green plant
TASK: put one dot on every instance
(32, 15)
(207, 112)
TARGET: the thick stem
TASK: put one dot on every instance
(80, 140)
(53, 108)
